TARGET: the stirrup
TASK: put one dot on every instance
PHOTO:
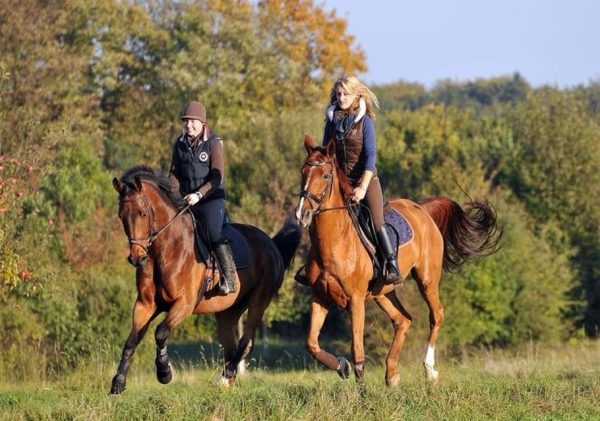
(392, 276)
(300, 276)
(226, 287)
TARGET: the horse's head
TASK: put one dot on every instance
(317, 180)
(136, 213)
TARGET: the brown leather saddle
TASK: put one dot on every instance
(399, 232)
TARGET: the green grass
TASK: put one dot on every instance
(533, 383)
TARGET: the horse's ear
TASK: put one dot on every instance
(137, 184)
(308, 143)
(118, 185)
(331, 149)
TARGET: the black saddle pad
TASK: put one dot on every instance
(237, 242)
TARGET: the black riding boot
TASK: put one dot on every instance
(223, 253)
(392, 273)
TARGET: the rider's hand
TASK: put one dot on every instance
(192, 198)
(358, 194)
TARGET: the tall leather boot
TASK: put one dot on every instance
(392, 273)
(223, 253)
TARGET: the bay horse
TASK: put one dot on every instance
(170, 278)
(340, 271)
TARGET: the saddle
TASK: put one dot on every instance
(237, 242)
(399, 232)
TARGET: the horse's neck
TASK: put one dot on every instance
(163, 210)
(165, 216)
(333, 227)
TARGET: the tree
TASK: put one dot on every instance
(555, 174)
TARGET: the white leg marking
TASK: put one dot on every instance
(430, 356)
(429, 362)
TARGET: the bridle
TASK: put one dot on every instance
(316, 201)
(152, 234)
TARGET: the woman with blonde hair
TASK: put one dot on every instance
(349, 123)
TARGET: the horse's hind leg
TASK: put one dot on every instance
(177, 313)
(226, 334)
(428, 281)
(401, 321)
(257, 305)
(143, 313)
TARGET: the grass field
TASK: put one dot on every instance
(533, 383)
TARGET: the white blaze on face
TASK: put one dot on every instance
(301, 203)
(299, 210)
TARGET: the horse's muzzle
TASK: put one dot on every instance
(304, 217)
(138, 261)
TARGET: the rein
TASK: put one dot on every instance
(153, 234)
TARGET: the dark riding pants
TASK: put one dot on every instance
(209, 218)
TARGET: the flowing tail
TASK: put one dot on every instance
(468, 233)
(287, 240)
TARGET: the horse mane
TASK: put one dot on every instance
(319, 154)
(146, 173)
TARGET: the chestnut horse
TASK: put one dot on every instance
(340, 270)
(170, 278)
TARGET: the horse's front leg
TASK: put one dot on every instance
(318, 313)
(143, 313)
(357, 317)
(179, 311)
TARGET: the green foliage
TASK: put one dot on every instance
(77, 184)
(554, 172)
(9, 268)
(506, 299)
(482, 92)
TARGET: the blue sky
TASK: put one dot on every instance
(554, 42)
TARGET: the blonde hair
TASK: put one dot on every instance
(353, 86)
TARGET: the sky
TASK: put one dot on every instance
(554, 42)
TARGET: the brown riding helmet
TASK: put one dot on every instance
(195, 110)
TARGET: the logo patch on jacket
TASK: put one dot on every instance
(203, 156)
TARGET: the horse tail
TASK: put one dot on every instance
(468, 233)
(287, 240)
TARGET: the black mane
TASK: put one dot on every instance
(146, 173)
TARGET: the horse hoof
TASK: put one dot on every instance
(344, 368)
(431, 373)
(393, 381)
(118, 384)
(164, 374)
(227, 382)
(165, 378)
(359, 371)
